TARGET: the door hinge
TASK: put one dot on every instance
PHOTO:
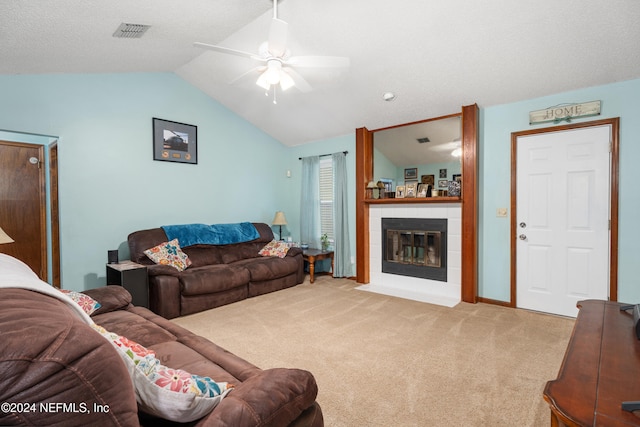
(609, 225)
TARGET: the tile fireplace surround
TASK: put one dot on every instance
(424, 290)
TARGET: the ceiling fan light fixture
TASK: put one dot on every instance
(457, 152)
(286, 81)
(272, 74)
(278, 67)
(262, 82)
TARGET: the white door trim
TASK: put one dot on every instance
(614, 172)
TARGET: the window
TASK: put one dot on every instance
(326, 197)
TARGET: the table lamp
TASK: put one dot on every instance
(280, 220)
(4, 237)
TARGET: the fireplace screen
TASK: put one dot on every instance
(414, 247)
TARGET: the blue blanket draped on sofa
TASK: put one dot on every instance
(216, 234)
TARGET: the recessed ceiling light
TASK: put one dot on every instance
(388, 96)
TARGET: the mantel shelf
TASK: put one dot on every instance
(413, 200)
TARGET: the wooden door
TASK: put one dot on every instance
(55, 212)
(22, 204)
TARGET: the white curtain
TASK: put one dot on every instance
(342, 245)
(310, 202)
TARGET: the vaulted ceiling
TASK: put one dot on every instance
(434, 55)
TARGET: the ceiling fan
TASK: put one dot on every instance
(278, 67)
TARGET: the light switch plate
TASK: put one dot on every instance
(501, 212)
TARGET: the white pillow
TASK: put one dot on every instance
(172, 394)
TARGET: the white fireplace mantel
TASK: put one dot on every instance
(425, 290)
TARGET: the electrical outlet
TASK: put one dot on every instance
(501, 212)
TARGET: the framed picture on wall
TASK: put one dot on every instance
(428, 179)
(443, 173)
(443, 183)
(411, 173)
(457, 177)
(175, 142)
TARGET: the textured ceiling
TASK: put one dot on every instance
(435, 55)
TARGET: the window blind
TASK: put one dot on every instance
(326, 197)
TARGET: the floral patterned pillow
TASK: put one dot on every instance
(172, 394)
(88, 304)
(169, 253)
(275, 248)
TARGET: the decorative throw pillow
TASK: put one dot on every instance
(172, 394)
(275, 248)
(169, 253)
(88, 304)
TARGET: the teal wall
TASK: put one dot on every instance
(109, 184)
(496, 125)
(384, 168)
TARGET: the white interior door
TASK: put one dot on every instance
(562, 208)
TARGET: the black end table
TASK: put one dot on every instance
(132, 277)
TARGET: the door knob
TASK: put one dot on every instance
(522, 237)
(523, 225)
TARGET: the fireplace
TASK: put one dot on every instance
(415, 247)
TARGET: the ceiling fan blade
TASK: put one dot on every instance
(258, 69)
(278, 37)
(299, 81)
(445, 146)
(227, 50)
(319, 61)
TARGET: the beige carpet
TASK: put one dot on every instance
(385, 361)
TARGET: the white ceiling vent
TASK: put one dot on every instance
(131, 31)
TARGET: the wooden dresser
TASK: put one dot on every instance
(600, 370)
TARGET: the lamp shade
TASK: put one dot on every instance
(4, 237)
(372, 184)
(279, 219)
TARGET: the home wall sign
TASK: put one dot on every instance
(566, 112)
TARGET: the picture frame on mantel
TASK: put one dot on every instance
(175, 142)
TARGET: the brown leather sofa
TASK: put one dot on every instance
(219, 274)
(56, 370)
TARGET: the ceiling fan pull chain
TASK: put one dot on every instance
(275, 9)
(275, 101)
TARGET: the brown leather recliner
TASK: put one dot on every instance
(56, 369)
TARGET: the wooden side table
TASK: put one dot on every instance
(600, 369)
(313, 255)
(132, 277)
